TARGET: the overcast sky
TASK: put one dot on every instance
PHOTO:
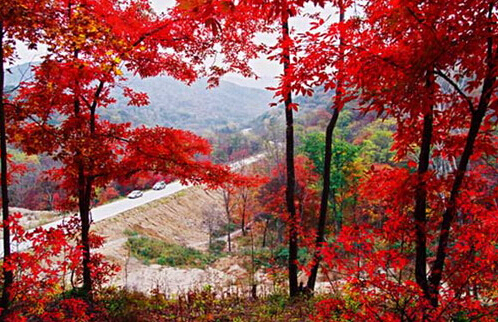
(265, 69)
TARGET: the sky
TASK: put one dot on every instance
(265, 69)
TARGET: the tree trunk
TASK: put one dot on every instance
(244, 202)
(229, 237)
(84, 195)
(226, 199)
(322, 220)
(475, 123)
(449, 214)
(420, 213)
(291, 178)
(85, 188)
(267, 222)
(8, 276)
(329, 132)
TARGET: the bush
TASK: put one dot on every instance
(217, 246)
(156, 251)
(281, 255)
(130, 233)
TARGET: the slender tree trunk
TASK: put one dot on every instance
(254, 293)
(226, 199)
(451, 210)
(85, 188)
(8, 276)
(322, 220)
(244, 203)
(337, 210)
(329, 132)
(84, 196)
(475, 123)
(229, 237)
(291, 177)
(420, 213)
(243, 223)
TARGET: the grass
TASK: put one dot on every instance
(130, 233)
(205, 305)
(152, 251)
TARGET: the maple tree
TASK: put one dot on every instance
(273, 196)
(313, 72)
(43, 271)
(89, 46)
(440, 88)
(431, 84)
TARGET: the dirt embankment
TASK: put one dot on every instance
(184, 219)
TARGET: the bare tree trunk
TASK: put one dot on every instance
(227, 199)
(8, 276)
(244, 197)
(253, 270)
(291, 178)
(329, 132)
(84, 195)
(420, 213)
(322, 220)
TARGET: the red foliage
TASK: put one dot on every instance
(50, 266)
(306, 198)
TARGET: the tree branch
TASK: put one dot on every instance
(456, 87)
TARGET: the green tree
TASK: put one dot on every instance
(343, 172)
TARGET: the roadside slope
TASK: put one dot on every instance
(181, 218)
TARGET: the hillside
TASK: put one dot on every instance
(182, 219)
(175, 104)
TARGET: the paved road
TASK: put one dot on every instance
(115, 208)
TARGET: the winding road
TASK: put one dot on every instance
(117, 207)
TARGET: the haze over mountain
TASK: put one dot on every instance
(175, 104)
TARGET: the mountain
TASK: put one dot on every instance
(175, 104)
(192, 107)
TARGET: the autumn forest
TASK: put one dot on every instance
(362, 185)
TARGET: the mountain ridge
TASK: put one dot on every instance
(175, 104)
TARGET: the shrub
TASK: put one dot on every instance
(156, 251)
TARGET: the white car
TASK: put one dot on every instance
(159, 185)
(135, 194)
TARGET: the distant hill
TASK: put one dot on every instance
(175, 104)
(320, 100)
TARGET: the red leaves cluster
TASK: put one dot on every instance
(91, 43)
(306, 198)
(59, 111)
(370, 260)
(49, 267)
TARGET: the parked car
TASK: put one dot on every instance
(135, 194)
(159, 185)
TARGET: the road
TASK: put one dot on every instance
(115, 208)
